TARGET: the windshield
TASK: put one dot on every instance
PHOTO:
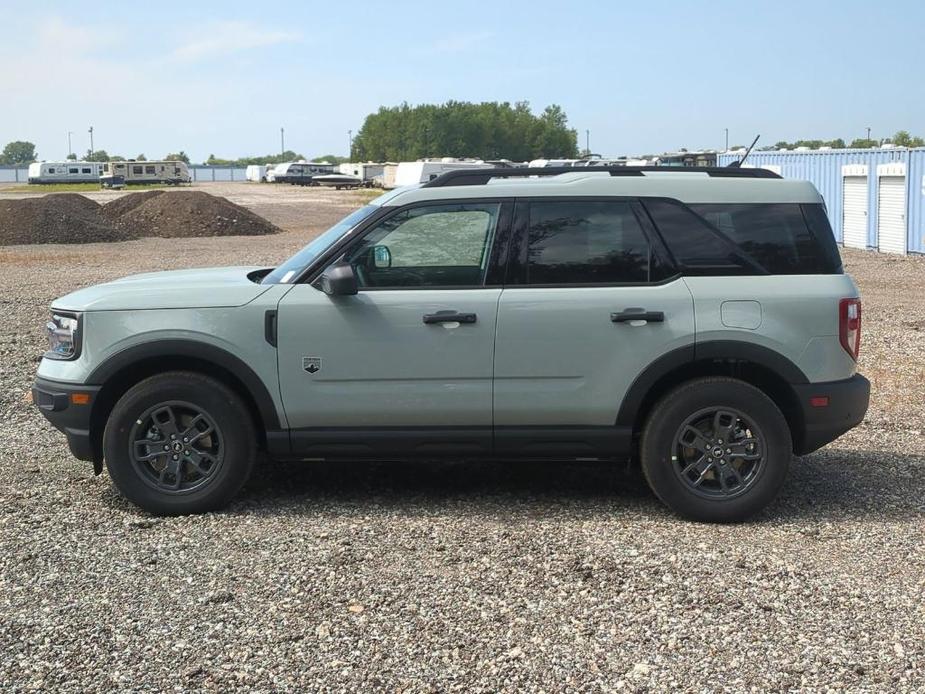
(293, 267)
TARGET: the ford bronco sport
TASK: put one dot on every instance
(698, 320)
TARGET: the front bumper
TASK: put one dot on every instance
(69, 414)
(821, 424)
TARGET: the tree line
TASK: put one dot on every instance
(901, 139)
(487, 130)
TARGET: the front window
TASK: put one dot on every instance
(433, 246)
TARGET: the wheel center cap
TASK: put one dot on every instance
(718, 452)
(177, 446)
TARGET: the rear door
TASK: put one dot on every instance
(411, 353)
(568, 346)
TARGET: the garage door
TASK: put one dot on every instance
(854, 211)
(891, 214)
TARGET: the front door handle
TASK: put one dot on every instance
(449, 317)
(632, 314)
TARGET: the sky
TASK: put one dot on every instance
(643, 76)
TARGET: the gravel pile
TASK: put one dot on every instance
(56, 218)
(74, 218)
(187, 214)
(471, 578)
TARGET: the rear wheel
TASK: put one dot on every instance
(716, 449)
(179, 443)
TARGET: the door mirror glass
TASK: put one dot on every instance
(339, 280)
(382, 257)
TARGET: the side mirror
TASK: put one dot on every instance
(339, 280)
(382, 257)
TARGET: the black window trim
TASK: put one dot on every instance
(703, 270)
(515, 275)
(497, 258)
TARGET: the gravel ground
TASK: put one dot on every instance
(412, 577)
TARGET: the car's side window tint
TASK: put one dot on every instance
(434, 246)
(585, 242)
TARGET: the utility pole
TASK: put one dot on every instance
(727, 140)
(91, 139)
(588, 143)
(868, 135)
(70, 151)
(282, 140)
(349, 144)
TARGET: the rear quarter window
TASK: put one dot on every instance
(784, 238)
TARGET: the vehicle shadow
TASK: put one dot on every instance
(831, 484)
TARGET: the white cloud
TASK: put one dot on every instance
(223, 38)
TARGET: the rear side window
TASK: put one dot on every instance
(777, 235)
(585, 242)
(696, 247)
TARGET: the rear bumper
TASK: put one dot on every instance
(845, 409)
(55, 402)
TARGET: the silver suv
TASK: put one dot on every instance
(698, 320)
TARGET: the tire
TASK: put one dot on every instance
(201, 475)
(700, 479)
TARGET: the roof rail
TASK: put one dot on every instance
(479, 177)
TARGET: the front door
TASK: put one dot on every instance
(589, 304)
(405, 364)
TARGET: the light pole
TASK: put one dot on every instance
(350, 144)
(868, 136)
(727, 139)
(588, 143)
(91, 139)
(282, 140)
(70, 150)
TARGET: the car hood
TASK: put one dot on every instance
(196, 288)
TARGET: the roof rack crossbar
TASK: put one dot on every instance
(480, 177)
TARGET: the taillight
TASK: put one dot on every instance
(849, 326)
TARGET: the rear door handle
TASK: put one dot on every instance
(632, 314)
(449, 317)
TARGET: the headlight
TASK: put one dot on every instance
(63, 332)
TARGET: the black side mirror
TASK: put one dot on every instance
(339, 280)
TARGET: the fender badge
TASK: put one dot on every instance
(311, 364)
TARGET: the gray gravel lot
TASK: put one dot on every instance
(477, 577)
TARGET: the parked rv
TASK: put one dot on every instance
(65, 171)
(369, 173)
(257, 173)
(412, 172)
(300, 173)
(122, 173)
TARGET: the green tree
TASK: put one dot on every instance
(141, 157)
(904, 139)
(332, 158)
(179, 156)
(863, 143)
(18, 152)
(488, 130)
(98, 155)
(72, 157)
(837, 143)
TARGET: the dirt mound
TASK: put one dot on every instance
(56, 218)
(188, 214)
(73, 218)
(127, 203)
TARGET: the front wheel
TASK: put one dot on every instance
(179, 443)
(716, 449)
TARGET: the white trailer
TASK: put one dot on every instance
(368, 172)
(65, 172)
(257, 173)
(412, 172)
(126, 173)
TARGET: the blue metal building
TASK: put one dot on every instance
(875, 197)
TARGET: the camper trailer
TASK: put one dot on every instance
(370, 174)
(257, 173)
(411, 172)
(65, 172)
(126, 173)
(300, 173)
